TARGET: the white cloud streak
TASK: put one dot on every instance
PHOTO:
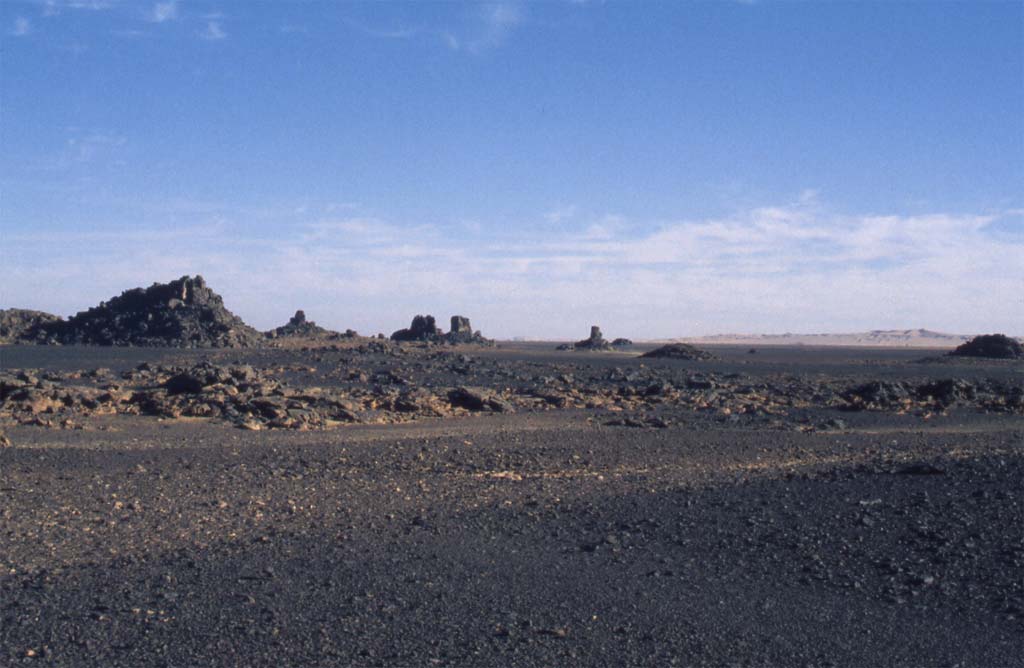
(770, 269)
(497, 21)
(22, 27)
(164, 11)
(213, 32)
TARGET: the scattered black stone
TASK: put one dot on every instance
(679, 351)
(920, 469)
(184, 313)
(878, 395)
(995, 346)
(621, 343)
(18, 325)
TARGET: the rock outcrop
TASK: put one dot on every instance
(994, 346)
(679, 351)
(423, 328)
(184, 313)
(462, 332)
(299, 327)
(596, 341)
(18, 325)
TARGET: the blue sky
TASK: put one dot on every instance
(661, 169)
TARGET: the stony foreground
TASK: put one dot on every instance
(521, 538)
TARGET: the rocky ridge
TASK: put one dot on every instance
(679, 351)
(299, 327)
(992, 346)
(184, 313)
(19, 325)
(381, 382)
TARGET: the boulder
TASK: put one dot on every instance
(621, 343)
(596, 341)
(423, 328)
(462, 332)
(477, 399)
(994, 346)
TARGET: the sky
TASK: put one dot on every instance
(660, 169)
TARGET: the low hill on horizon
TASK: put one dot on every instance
(910, 338)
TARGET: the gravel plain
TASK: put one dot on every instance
(520, 539)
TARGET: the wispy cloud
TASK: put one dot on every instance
(22, 27)
(213, 31)
(400, 32)
(450, 40)
(164, 11)
(497, 21)
(560, 213)
(482, 28)
(794, 267)
(55, 7)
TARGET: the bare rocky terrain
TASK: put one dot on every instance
(366, 502)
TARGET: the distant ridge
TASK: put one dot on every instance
(907, 338)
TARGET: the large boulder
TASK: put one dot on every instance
(18, 325)
(995, 346)
(595, 341)
(183, 313)
(423, 328)
(462, 332)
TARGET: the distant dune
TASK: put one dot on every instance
(909, 338)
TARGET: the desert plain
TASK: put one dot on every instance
(376, 503)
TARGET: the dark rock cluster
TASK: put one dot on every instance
(246, 396)
(19, 325)
(462, 332)
(382, 382)
(996, 346)
(595, 341)
(935, 395)
(299, 327)
(679, 351)
(183, 313)
(424, 329)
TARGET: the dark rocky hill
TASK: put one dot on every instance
(997, 346)
(18, 325)
(184, 313)
(298, 326)
(424, 328)
(679, 351)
